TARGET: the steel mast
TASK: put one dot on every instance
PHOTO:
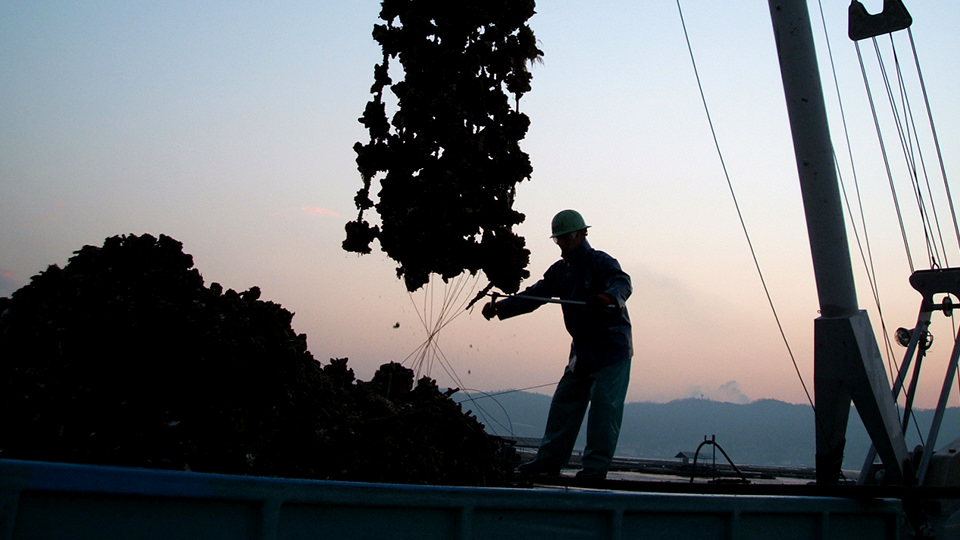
(847, 361)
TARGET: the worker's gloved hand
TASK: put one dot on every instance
(599, 302)
(489, 310)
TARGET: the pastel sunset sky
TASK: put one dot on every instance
(229, 126)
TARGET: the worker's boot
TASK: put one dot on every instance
(538, 468)
(591, 474)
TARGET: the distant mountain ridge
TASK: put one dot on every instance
(764, 432)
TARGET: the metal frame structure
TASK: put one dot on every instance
(847, 361)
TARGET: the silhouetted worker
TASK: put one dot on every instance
(598, 371)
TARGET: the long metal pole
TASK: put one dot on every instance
(847, 361)
(815, 163)
(540, 299)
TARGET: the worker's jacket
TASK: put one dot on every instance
(601, 337)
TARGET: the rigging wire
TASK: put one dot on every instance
(493, 396)
(448, 368)
(929, 219)
(905, 122)
(939, 153)
(939, 253)
(736, 204)
(863, 245)
(435, 318)
(923, 164)
(893, 365)
(912, 147)
(886, 159)
(867, 259)
(473, 401)
(906, 141)
(936, 138)
(526, 389)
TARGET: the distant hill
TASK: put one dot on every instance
(765, 432)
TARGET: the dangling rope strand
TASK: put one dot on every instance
(908, 137)
(736, 205)
(910, 145)
(936, 138)
(445, 314)
(886, 160)
(940, 247)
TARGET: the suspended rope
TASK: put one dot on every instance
(910, 138)
(886, 160)
(913, 151)
(736, 205)
(901, 115)
(473, 401)
(493, 395)
(436, 315)
(863, 244)
(912, 145)
(912, 148)
(936, 138)
(526, 389)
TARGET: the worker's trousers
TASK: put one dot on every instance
(604, 391)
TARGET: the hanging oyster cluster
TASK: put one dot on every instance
(449, 159)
